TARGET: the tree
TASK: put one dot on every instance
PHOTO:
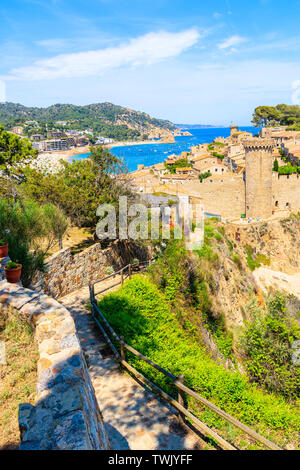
(14, 150)
(203, 176)
(55, 225)
(282, 114)
(81, 186)
(276, 165)
(266, 115)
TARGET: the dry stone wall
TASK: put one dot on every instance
(66, 272)
(66, 414)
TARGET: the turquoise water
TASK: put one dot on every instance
(150, 154)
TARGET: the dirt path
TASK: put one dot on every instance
(134, 417)
(289, 283)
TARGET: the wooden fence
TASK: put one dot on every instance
(178, 382)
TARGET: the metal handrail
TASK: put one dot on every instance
(178, 382)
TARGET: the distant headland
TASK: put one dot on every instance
(198, 126)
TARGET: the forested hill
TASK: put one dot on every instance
(106, 118)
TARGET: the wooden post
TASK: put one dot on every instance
(129, 271)
(181, 398)
(122, 277)
(123, 349)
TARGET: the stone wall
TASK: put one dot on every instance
(220, 195)
(286, 192)
(66, 272)
(66, 414)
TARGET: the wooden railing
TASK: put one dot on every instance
(125, 273)
(177, 381)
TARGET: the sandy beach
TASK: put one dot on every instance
(127, 143)
(65, 155)
(49, 162)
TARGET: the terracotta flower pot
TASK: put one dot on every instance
(13, 275)
(3, 250)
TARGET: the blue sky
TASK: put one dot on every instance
(187, 61)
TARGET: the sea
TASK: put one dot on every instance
(150, 154)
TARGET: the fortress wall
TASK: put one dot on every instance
(66, 414)
(225, 197)
(213, 168)
(259, 178)
(67, 272)
(286, 192)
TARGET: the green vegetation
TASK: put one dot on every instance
(104, 118)
(182, 163)
(203, 176)
(267, 345)
(220, 144)
(213, 147)
(237, 260)
(13, 149)
(280, 115)
(109, 270)
(12, 265)
(276, 165)
(80, 187)
(256, 260)
(288, 169)
(31, 230)
(142, 313)
(220, 156)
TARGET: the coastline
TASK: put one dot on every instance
(126, 143)
(65, 154)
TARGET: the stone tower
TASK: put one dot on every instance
(259, 164)
(233, 130)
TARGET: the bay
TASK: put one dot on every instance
(150, 154)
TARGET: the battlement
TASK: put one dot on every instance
(257, 144)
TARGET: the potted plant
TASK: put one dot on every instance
(3, 248)
(13, 272)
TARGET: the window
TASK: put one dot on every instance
(276, 203)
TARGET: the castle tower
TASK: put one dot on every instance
(259, 164)
(233, 130)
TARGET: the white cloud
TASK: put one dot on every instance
(232, 41)
(144, 50)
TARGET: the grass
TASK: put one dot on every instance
(17, 378)
(141, 313)
(76, 238)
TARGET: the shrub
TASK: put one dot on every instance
(203, 176)
(109, 270)
(141, 313)
(252, 263)
(237, 260)
(12, 265)
(267, 346)
(26, 224)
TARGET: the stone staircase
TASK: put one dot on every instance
(134, 417)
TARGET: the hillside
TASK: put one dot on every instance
(201, 314)
(106, 118)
